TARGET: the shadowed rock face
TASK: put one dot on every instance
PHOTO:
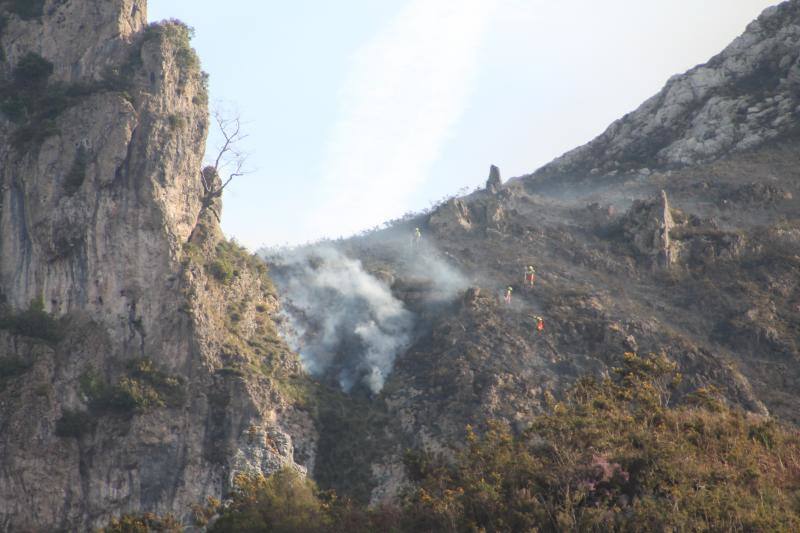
(745, 96)
(99, 194)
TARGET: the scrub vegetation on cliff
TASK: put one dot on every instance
(33, 103)
(33, 322)
(24, 9)
(614, 455)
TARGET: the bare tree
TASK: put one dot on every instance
(230, 160)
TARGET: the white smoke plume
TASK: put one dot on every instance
(343, 319)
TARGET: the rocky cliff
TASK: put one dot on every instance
(127, 320)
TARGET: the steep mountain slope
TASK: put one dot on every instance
(674, 232)
(127, 322)
(742, 98)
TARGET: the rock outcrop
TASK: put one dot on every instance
(647, 226)
(741, 98)
(122, 341)
(494, 183)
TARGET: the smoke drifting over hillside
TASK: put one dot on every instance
(341, 317)
(345, 322)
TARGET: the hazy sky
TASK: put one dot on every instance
(361, 110)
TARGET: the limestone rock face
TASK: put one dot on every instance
(107, 243)
(454, 215)
(746, 95)
(647, 225)
(142, 404)
(81, 39)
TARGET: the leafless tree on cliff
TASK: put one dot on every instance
(230, 159)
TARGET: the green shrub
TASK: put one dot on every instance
(231, 371)
(221, 269)
(143, 388)
(25, 9)
(169, 390)
(34, 322)
(285, 502)
(176, 121)
(32, 72)
(180, 36)
(105, 398)
(614, 456)
(15, 109)
(230, 259)
(74, 424)
(31, 102)
(13, 366)
(145, 523)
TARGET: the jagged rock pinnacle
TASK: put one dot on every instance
(494, 183)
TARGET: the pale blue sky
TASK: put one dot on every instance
(360, 110)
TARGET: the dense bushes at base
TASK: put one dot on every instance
(283, 503)
(613, 456)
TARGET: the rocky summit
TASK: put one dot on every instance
(150, 368)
